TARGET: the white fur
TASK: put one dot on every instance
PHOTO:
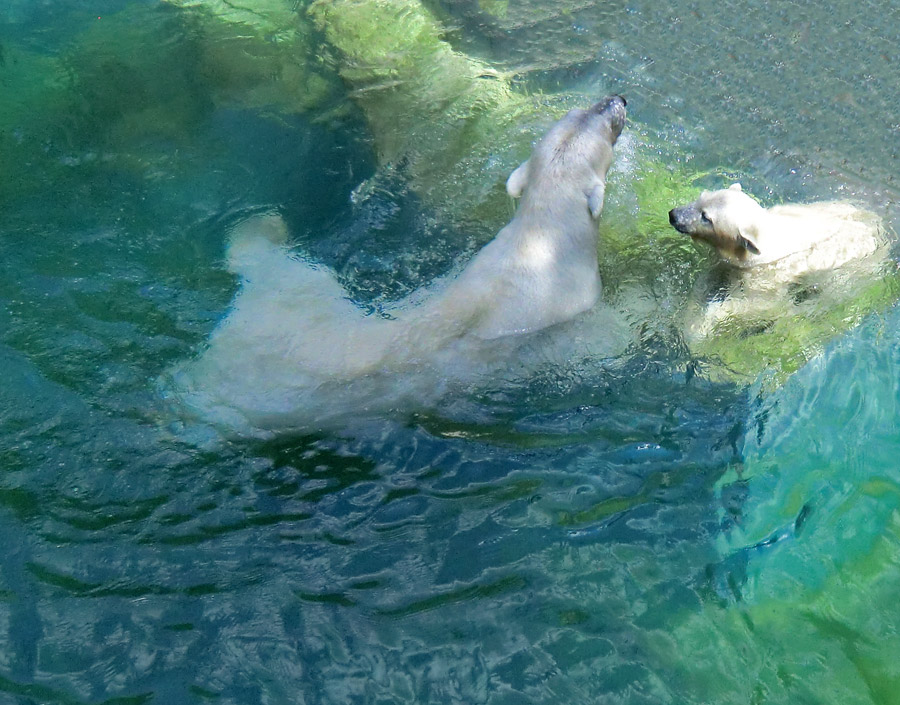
(295, 352)
(771, 250)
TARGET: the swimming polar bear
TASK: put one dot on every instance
(775, 256)
(294, 353)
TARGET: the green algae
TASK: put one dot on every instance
(787, 338)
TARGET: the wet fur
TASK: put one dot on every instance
(775, 259)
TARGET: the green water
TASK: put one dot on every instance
(597, 530)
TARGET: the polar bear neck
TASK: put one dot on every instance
(781, 234)
(559, 240)
(562, 218)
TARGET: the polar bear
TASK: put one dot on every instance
(775, 256)
(295, 353)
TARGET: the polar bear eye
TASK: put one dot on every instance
(705, 218)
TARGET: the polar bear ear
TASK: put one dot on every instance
(747, 243)
(735, 187)
(515, 184)
(595, 198)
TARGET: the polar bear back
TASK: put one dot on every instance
(821, 236)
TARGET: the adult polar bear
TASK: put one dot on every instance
(295, 353)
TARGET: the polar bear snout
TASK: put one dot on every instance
(683, 219)
(613, 108)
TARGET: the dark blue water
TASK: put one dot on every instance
(605, 531)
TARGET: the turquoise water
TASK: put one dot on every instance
(596, 530)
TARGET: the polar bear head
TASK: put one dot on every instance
(727, 219)
(572, 159)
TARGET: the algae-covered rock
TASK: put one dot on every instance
(260, 53)
(276, 18)
(648, 268)
(453, 123)
(124, 90)
(418, 94)
(156, 70)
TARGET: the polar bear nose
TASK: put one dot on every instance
(613, 109)
(676, 220)
(608, 103)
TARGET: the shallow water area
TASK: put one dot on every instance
(584, 521)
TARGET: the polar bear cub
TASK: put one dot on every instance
(803, 237)
(294, 351)
(771, 251)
